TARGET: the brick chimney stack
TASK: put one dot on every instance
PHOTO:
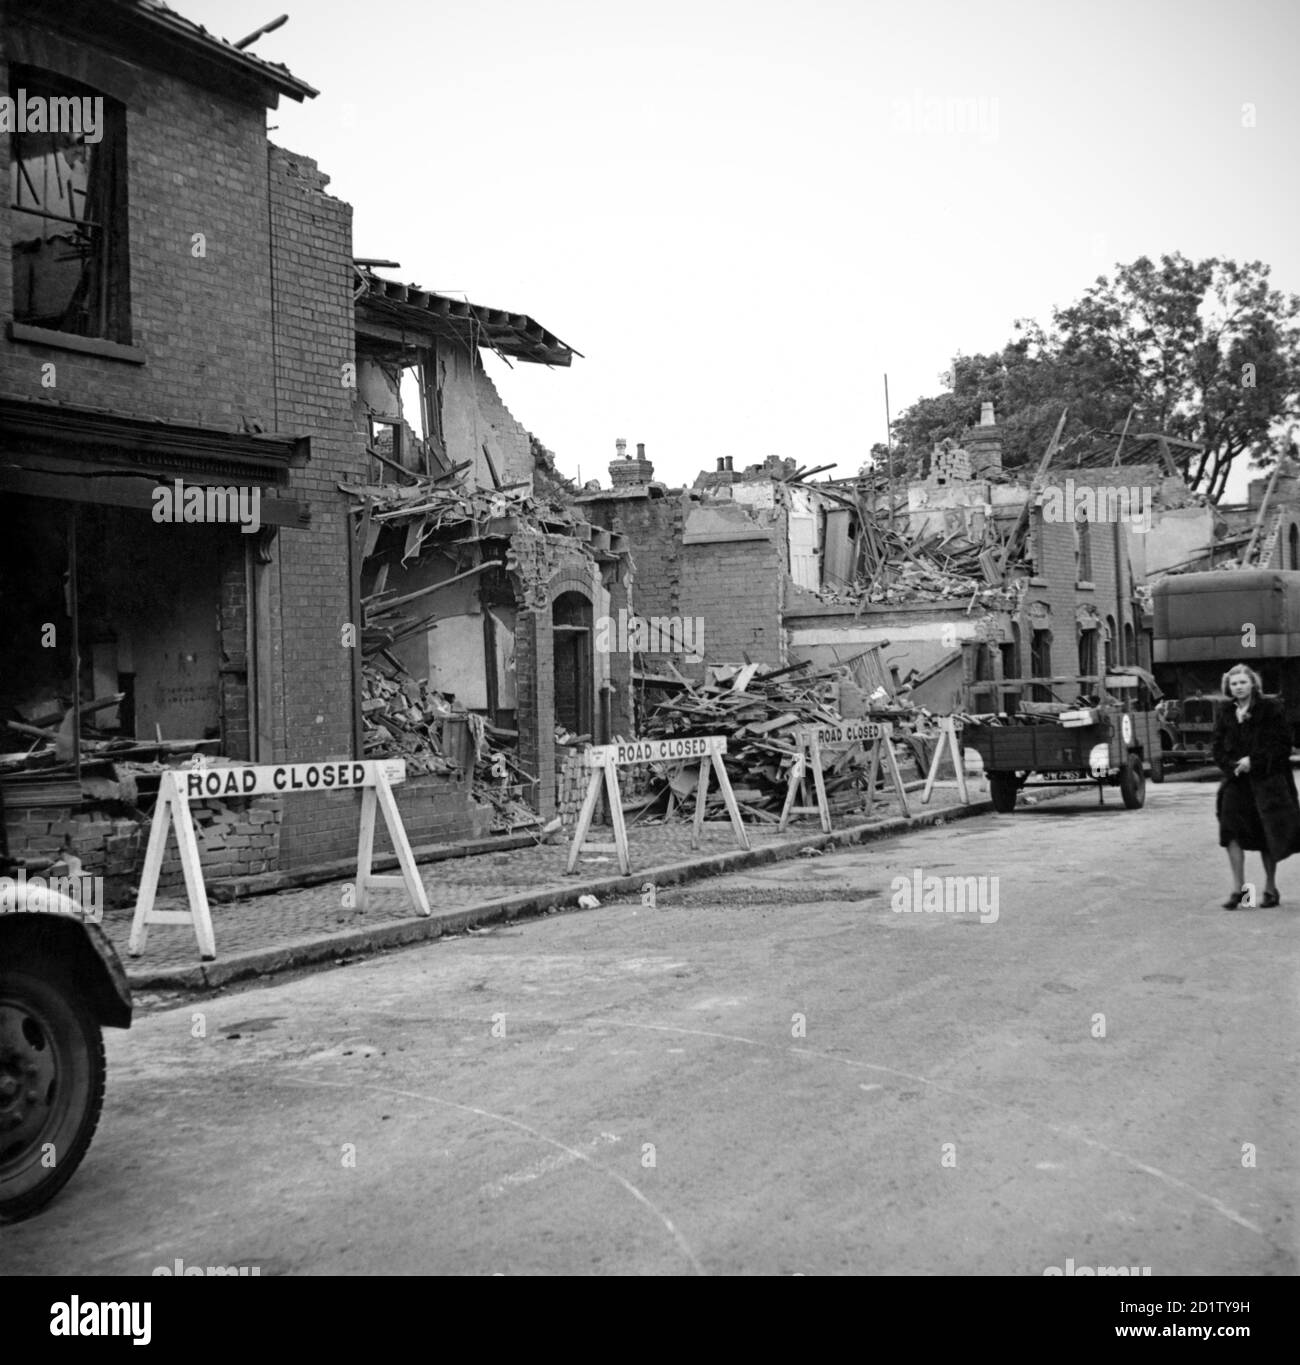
(626, 472)
(984, 444)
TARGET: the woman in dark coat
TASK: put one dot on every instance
(1257, 804)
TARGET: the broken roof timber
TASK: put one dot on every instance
(421, 310)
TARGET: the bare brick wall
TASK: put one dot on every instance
(233, 609)
(314, 340)
(1055, 561)
(621, 713)
(196, 164)
(736, 587)
(435, 810)
(535, 689)
(654, 530)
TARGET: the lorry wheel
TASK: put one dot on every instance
(1133, 783)
(51, 1085)
(1158, 766)
(1003, 788)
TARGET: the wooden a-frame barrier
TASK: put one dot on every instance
(375, 779)
(605, 761)
(947, 741)
(808, 762)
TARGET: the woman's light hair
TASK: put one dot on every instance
(1256, 682)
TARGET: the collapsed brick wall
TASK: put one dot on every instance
(236, 837)
(571, 777)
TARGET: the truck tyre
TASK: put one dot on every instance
(1003, 788)
(1158, 766)
(51, 1084)
(1133, 783)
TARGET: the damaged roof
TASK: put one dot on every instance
(153, 18)
(416, 309)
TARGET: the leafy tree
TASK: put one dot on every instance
(1208, 350)
(1204, 350)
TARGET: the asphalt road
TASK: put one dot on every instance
(774, 1072)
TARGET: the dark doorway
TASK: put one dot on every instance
(571, 624)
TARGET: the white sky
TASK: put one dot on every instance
(720, 203)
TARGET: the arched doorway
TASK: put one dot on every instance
(571, 626)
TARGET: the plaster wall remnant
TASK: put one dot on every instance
(476, 425)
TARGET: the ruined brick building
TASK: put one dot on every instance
(775, 567)
(181, 303)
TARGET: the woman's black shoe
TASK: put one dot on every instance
(1234, 901)
(1271, 898)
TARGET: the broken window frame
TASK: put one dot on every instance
(422, 360)
(99, 303)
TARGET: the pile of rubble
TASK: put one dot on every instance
(406, 718)
(758, 710)
(895, 568)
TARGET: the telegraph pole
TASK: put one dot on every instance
(889, 446)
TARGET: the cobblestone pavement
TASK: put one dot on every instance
(289, 919)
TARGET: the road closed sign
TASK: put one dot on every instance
(850, 731)
(656, 750)
(266, 779)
